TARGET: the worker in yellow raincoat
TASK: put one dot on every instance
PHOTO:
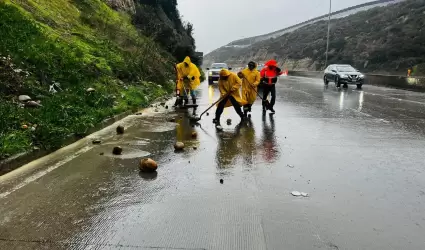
(250, 80)
(188, 78)
(229, 85)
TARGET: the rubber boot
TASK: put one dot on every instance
(243, 118)
(177, 103)
(218, 124)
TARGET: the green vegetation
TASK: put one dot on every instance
(383, 39)
(79, 44)
(159, 19)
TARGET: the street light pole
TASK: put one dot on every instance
(329, 29)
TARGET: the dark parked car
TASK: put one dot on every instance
(343, 74)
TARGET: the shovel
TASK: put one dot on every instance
(196, 119)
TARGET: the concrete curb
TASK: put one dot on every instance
(18, 160)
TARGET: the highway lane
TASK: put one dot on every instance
(358, 154)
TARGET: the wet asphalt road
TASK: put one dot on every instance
(360, 155)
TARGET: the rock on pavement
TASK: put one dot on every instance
(179, 146)
(148, 165)
(120, 130)
(117, 151)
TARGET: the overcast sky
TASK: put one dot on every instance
(218, 22)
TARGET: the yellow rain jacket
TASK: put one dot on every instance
(190, 71)
(250, 82)
(232, 85)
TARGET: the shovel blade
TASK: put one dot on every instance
(191, 106)
(188, 106)
(194, 119)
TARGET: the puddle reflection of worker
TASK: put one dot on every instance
(268, 141)
(248, 143)
(184, 132)
(238, 143)
(211, 91)
(227, 148)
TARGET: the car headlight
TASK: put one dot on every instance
(210, 73)
(344, 76)
(361, 76)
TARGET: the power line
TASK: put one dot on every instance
(329, 29)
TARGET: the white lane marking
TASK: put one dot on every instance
(370, 93)
(302, 91)
(44, 172)
(398, 99)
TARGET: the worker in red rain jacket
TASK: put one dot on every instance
(269, 75)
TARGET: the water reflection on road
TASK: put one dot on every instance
(364, 174)
(239, 143)
(269, 144)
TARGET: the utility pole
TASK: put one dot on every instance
(329, 29)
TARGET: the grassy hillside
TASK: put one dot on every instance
(79, 44)
(383, 39)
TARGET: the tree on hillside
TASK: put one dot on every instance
(168, 30)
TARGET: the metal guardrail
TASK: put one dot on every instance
(393, 81)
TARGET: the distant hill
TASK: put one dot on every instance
(334, 15)
(382, 39)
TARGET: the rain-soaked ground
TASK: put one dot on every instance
(360, 155)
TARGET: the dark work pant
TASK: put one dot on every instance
(269, 89)
(221, 105)
(192, 94)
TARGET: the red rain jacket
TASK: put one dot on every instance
(269, 75)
